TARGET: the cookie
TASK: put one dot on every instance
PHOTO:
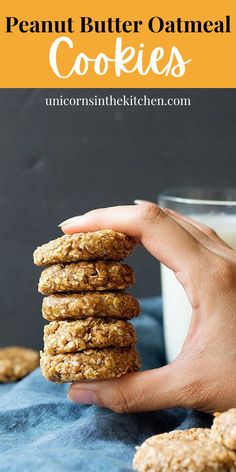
(224, 428)
(105, 244)
(76, 277)
(90, 364)
(89, 333)
(189, 452)
(186, 434)
(16, 362)
(96, 304)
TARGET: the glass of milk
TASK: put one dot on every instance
(215, 208)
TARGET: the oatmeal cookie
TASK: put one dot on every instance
(187, 434)
(90, 364)
(189, 452)
(224, 428)
(81, 276)
(16, 362)
(98, 304)
(105, 244)
(89, 333)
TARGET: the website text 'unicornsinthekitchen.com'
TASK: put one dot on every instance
(119, 101)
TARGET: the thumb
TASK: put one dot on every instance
(140, 391)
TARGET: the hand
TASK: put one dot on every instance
(203, 375)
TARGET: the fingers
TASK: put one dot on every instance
(141, 391)
(196, 232)
(191, 224)
(162, 236)
(206, 230)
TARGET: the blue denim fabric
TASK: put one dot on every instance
(40, 430)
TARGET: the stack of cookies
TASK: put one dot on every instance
(88, 337)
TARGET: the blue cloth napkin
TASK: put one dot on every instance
(40, 430)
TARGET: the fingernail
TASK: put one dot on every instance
(85, 397)
(69, 221)
(137, 201)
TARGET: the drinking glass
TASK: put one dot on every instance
(215, 208)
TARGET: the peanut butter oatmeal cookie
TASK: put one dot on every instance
(89, 333)
(16, 362)
(85, 276)
(189, 452)
(105, 244)
(90, 364)
(192, 434)
(97, 304)
(224, 428)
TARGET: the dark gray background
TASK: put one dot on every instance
(58, 162)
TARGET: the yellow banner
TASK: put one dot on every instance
(157, 44)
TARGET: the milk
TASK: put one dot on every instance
(176, 307)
